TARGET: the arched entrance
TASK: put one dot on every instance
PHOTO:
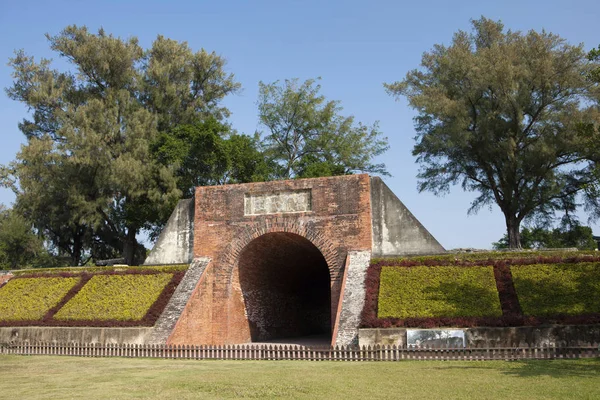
(286, 287)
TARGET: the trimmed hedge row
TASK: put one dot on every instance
(30, 299)
(480, 256)
(115, 297)
(512, 314)
(100, 270)
(569, 289)
(130, 297)
(438, 292)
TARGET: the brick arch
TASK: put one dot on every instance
(247, 234)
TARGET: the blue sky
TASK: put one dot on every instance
(353, 46)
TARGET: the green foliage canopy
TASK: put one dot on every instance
(577, 236)
(19, 246)
(307, 135)
(500, 112)
(207, 153)
(87, 177)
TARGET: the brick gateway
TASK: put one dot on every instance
(283, 259)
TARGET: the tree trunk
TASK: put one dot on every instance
(130, 247)
(513, 226)
(77, 247)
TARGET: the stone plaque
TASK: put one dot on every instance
(435, 338)
(289, 201)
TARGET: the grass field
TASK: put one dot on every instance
(45, 377)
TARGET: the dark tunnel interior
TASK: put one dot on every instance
(286, 287)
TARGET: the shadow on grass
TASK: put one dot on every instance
(580, 368)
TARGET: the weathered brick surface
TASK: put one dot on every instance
(339, 221)
(5, 277)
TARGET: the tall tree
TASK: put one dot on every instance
(93, 125)
(19, 246)
(499, 112)
(578, 236)
(207, 153)
(307, 135)
(594, 55)
(182, 87)
(58, 194)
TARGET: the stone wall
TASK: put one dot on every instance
(497, 337)
(172, 312)
(353, 299)
(75, 335)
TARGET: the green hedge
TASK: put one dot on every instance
(444, 291)
(98, 270)
(558, 288)
(115, 297)
(29, 299)
(486, 255)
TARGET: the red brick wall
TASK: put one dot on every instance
(339, 221)
(4, 278)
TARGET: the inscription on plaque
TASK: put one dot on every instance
(435, 337)
(290, 201)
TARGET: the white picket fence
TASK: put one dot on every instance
(291, 352)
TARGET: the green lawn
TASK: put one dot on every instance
(45, 377)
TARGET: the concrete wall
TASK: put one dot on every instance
(396, 231)
(75, 335)
(549, 335)
(176, 241)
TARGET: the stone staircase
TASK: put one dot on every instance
(166, 322)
